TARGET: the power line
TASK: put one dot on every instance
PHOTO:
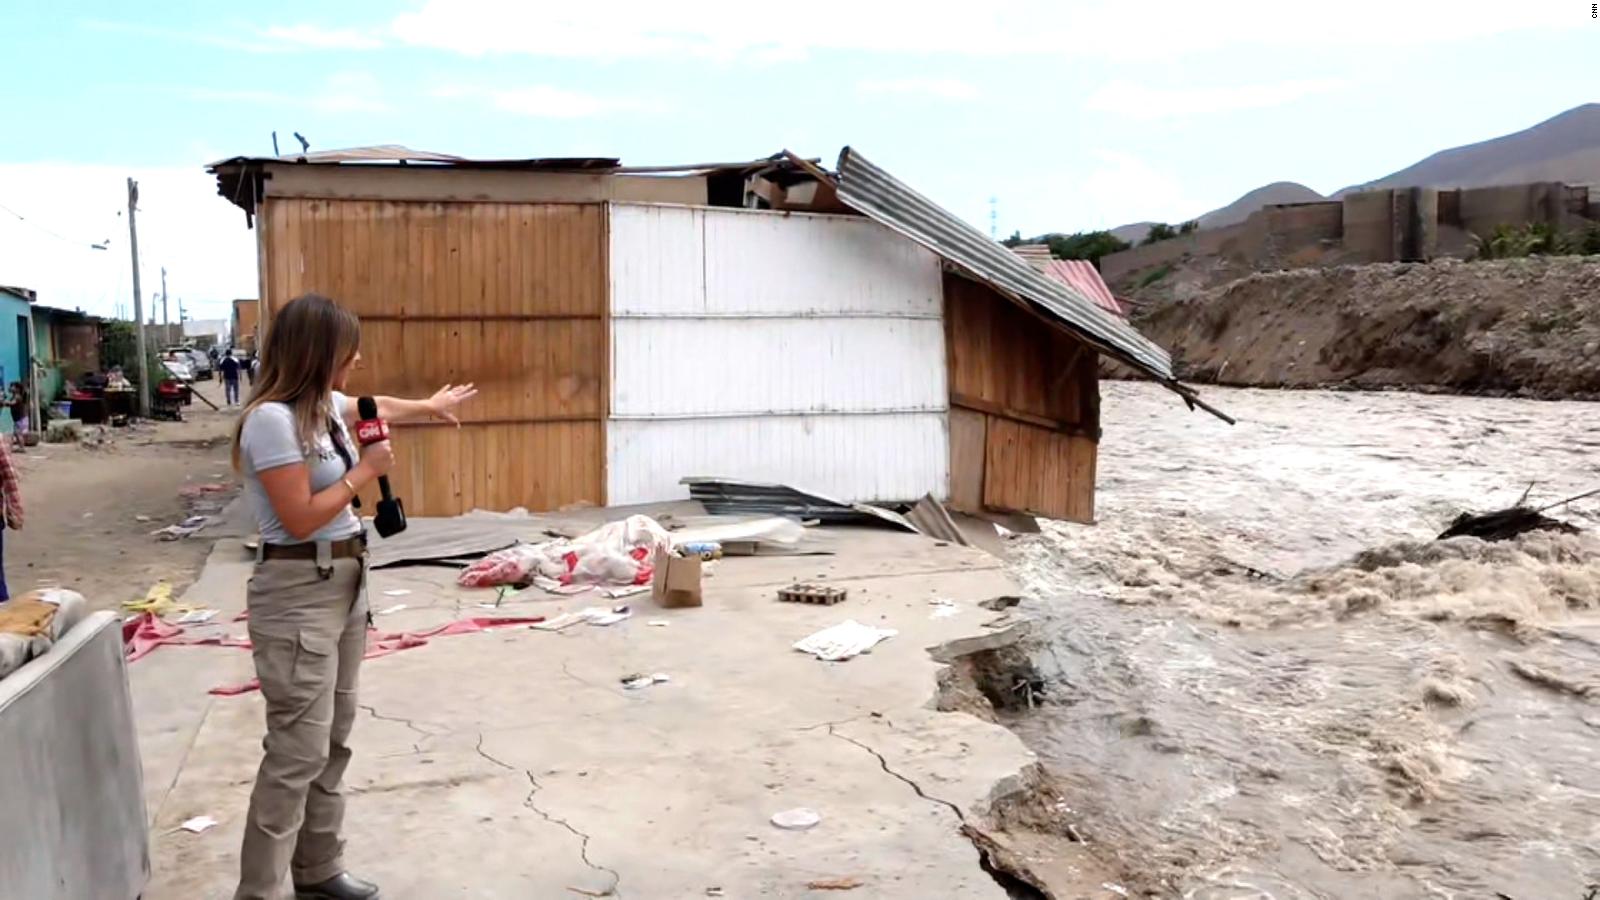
(102, 245)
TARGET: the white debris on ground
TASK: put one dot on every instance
(844, 640)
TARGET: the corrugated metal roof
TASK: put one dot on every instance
(1037, 255)
(878, 195)
(1081, 274)
(395, 153)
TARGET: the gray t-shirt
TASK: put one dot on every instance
(267, 441)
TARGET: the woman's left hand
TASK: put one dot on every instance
(444, 401)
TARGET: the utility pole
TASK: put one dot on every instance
(164, 320)
(138, 304)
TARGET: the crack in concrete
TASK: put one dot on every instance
(1012, 882)
(416, 745)
(829, 725)
(183, 761)
(584, 681)
(583, 839)
(884, 764)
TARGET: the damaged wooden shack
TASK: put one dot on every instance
(765, 320)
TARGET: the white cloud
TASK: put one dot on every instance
(549, 102)
(350, 92)
(319, 38)
(272, 39)
(1124, 188)
(224, 41)
(940, 88)
(200, 238)
(1141, 102)
(722, 29)
(342, 92)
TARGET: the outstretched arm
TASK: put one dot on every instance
(442, 405)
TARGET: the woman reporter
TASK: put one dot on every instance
(307, 597)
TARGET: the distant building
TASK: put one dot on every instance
(1384, 225)
(68, 347)
(206, 333)
(245, 331)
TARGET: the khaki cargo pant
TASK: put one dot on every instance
(309, 634)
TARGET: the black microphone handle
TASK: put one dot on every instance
(383, 486)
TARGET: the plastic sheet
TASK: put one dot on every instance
(617, 553)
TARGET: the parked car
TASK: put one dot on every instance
(203, 369)
(178, 368)
(199, 363)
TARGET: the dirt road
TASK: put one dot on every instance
(91, 510)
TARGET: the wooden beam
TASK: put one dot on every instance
(482, 317)
(1016, 415)
(528, 420)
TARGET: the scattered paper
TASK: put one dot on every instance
(609, 617)
(834, 884)
(797, 819)
(1117, 889)
(197, 617)
(635, 682)
(943, 608)
(181, 530)
(397, 592)
(658, 623)
(393, 609)
(199, 824)
(617, 593)
(844, 640)
(594, 615)
(142, 518)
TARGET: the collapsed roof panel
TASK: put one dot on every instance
(881, 197)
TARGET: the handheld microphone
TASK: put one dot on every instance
(391, 518)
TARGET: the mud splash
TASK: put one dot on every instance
(1266, 682)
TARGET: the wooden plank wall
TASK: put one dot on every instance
(246, 313)
(510, 296)
(1025, 408)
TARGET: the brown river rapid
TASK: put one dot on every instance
(1268, 681)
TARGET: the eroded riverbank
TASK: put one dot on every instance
(1266, 681)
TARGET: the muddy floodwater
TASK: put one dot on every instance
(1268, 680)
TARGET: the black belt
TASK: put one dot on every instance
(349, 548)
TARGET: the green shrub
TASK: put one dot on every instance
(1155, 275)
(1536, 239)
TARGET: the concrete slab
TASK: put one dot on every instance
(513, 764)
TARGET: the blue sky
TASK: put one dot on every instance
(1073, 115)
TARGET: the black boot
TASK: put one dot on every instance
(342, 886)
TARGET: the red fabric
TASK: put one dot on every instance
(384, 643)
(147, 632)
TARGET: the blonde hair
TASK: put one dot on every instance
(308, 341)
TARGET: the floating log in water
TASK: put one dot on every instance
(1504, 524)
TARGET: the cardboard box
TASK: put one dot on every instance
(676, 582)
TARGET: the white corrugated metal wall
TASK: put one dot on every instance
(794, 348)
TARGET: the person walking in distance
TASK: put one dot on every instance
(17, 399)
(307, 597)
(230, 379)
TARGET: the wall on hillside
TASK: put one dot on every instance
(1385, 225)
